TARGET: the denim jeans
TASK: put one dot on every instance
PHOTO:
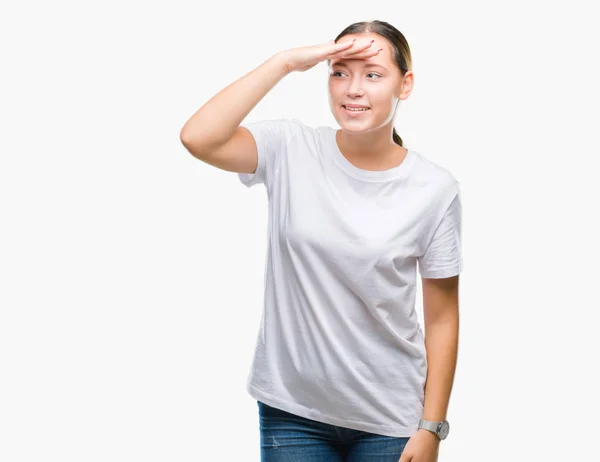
(286, 437)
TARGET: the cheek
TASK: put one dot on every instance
(334, 88)
(381, 98)
(379, 92)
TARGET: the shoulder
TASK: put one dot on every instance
(303, 128)
(284, 126)
(299, 132)
(429, 174)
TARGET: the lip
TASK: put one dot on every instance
(354, 113)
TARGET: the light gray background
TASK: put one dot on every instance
(131, 274)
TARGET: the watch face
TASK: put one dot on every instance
(444, 429)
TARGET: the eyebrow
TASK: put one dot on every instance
(366, 65)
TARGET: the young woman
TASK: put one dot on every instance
(341, 362)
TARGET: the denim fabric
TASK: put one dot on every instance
(286, 437)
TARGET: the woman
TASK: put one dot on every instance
(341, 362)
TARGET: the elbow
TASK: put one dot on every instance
(195, 148)
(185, 137)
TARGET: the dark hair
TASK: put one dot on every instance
(401, 50)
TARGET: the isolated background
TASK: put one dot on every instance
(131, 274)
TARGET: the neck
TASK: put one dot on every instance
(373, 150)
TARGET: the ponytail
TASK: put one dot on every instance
(397, 138)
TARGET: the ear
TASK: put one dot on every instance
(406, 85)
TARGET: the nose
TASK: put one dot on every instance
(355, 89)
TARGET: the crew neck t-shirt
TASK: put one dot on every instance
(339, 340)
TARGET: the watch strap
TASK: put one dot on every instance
(429, 425)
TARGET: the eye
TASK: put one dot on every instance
(334, 74)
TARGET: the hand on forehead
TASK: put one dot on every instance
(363, 40)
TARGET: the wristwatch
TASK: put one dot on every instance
(441, 429)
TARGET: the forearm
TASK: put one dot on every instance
(216, 121)
(441, 342)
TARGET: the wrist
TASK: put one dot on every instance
(439, 429)
(430, 435)
(281, 61)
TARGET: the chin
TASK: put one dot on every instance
(351, 128)
(356, 126)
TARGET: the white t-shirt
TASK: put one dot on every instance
(339, 340)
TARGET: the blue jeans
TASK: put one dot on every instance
(286, 437)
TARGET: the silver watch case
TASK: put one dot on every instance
(441, 429)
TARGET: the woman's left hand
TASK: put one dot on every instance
(423, 446)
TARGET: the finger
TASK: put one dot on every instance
(368, 47)
(341, 45)
(336, 48)
(363, 46)
(366, 54)
(356, 54)
(361, 54)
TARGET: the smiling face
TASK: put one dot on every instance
(375, 83)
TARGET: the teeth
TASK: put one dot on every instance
(356, 109)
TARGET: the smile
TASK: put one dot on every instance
(355, 111)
